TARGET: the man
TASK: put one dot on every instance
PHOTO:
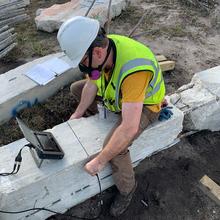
(126, 74)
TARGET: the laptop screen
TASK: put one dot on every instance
(44, 143)
(28, 133)
(42, 140)
(47, 143)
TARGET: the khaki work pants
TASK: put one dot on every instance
(123, 173)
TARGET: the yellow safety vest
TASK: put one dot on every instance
(131, 57)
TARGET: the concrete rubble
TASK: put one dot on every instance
(50, 19)
(199, 100)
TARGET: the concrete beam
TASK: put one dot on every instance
(14, 20)
(4, 28)
(7, 14)
(16, 88)
(7, 49)
(59, 185)
(12, 4)
(6, 34)
(11, 12)
(7, 41)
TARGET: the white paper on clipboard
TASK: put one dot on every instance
(47, 71)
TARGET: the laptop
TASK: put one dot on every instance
(44, 143)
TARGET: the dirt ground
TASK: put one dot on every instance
(168, 181)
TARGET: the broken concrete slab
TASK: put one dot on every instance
(209, 79)
(61, 184)
(50, 19)
(200, 101)
(17, 90)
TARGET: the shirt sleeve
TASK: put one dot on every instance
(134, 87)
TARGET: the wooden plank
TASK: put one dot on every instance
(160, 58)
(167, 65)
(210, 188)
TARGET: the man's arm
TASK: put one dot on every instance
(122, 136)
(88, 95)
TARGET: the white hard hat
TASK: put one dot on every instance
(76, 35)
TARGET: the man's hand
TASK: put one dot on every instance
(75, 115)
(88, 96)
(94, 166)
(122, 136)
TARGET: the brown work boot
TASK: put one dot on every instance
(121, 202)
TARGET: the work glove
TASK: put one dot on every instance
(165, 113)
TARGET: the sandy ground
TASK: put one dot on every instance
(168, 181)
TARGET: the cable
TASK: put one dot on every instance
(100, 190)
(17, 163)
(49, 210)
(45, 209)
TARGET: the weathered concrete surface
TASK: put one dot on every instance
(59, 185)
(16, 88)
(50, 19)
(200, 101)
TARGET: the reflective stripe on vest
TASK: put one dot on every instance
(156, 89)
(132, 64)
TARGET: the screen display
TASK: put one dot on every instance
(47, 143)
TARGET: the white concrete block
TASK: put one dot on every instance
(206, 117)
(16, 88)
(200, 101)
(59, 185)
(50, 19)
(210, 79)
